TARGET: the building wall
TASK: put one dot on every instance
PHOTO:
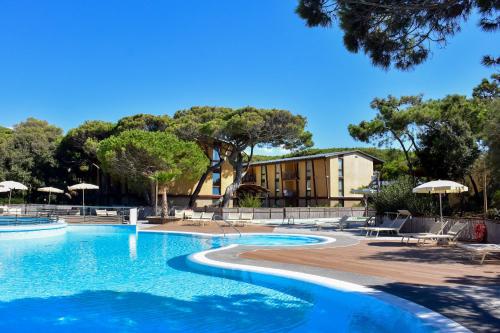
(180, 192)
(358, 170)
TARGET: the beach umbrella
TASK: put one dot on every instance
(83, 187)
(12, 185)
(440, 187)
(366, 192)
(50, 190)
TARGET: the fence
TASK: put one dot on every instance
(291, 212)
(76, 214)
(423, 224)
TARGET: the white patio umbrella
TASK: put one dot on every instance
(440, 187)
(12, 185)
(83, 187)
(50, 190)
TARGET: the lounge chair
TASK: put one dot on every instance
(179, 214)
(196, 216)
(335, 224)
(246, 218)
(101, 212)
(450, 236)
(394, 227)
(480, 249)
(436, 229)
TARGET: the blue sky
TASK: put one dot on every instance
(70, 61)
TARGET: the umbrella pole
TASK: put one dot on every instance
(10, 195)
(441, 207)
(49, 197)
(83, 204)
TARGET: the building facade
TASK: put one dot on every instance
(315, 180)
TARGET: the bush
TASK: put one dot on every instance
(250, 201)
(399, 195)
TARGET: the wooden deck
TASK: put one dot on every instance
(428, 265)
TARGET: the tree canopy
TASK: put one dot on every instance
(241, 129)
(399, 33)
(29, 152)
(144, 122)
(141, 156)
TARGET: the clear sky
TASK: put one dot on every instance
(70, 61)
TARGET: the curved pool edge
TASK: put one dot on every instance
(32, 231)
(326, 239)
(435, 320)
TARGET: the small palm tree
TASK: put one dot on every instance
(164, 179)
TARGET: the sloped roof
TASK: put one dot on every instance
(316, 156)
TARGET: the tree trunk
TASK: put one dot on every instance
(164, 203)
(407, 155)
(210, 169)
(238, 177)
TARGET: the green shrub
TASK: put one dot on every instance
(250, 201)
(399, 195)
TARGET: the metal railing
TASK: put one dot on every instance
(77, 214)
(27, 219)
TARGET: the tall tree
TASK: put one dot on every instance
(399, 33)
(31, 152)
(142, 156)
(78, 149)
(143, 122)
(204, 125)
(5, 135)
(241, 130)
(393, 123)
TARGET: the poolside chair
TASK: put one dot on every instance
(436, 229)
(101, 212)
(335, 224)
(196, 216)
(394, 227)
(480, 249)
(179, 214)
(451, 236)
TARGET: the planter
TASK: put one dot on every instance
(160, 220)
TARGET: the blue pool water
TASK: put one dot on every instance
(110, 279)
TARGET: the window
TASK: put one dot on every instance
(277, 180)
(341, 167)
(263, 176)
(309, 172)
(216, 176)
(341, 187)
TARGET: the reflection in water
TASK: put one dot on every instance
(132, 246)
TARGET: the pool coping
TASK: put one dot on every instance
(432, 318)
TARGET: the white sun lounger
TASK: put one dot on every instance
(394, 226)
(480, 250)
(450, 236)
(336, 224)
(436, 229)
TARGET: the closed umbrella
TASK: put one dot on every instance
(50, 190)
(440, 187)
(83, 187)
(12, 185)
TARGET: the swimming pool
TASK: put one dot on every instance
(102, 278)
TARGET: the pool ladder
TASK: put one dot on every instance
(227, 222)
